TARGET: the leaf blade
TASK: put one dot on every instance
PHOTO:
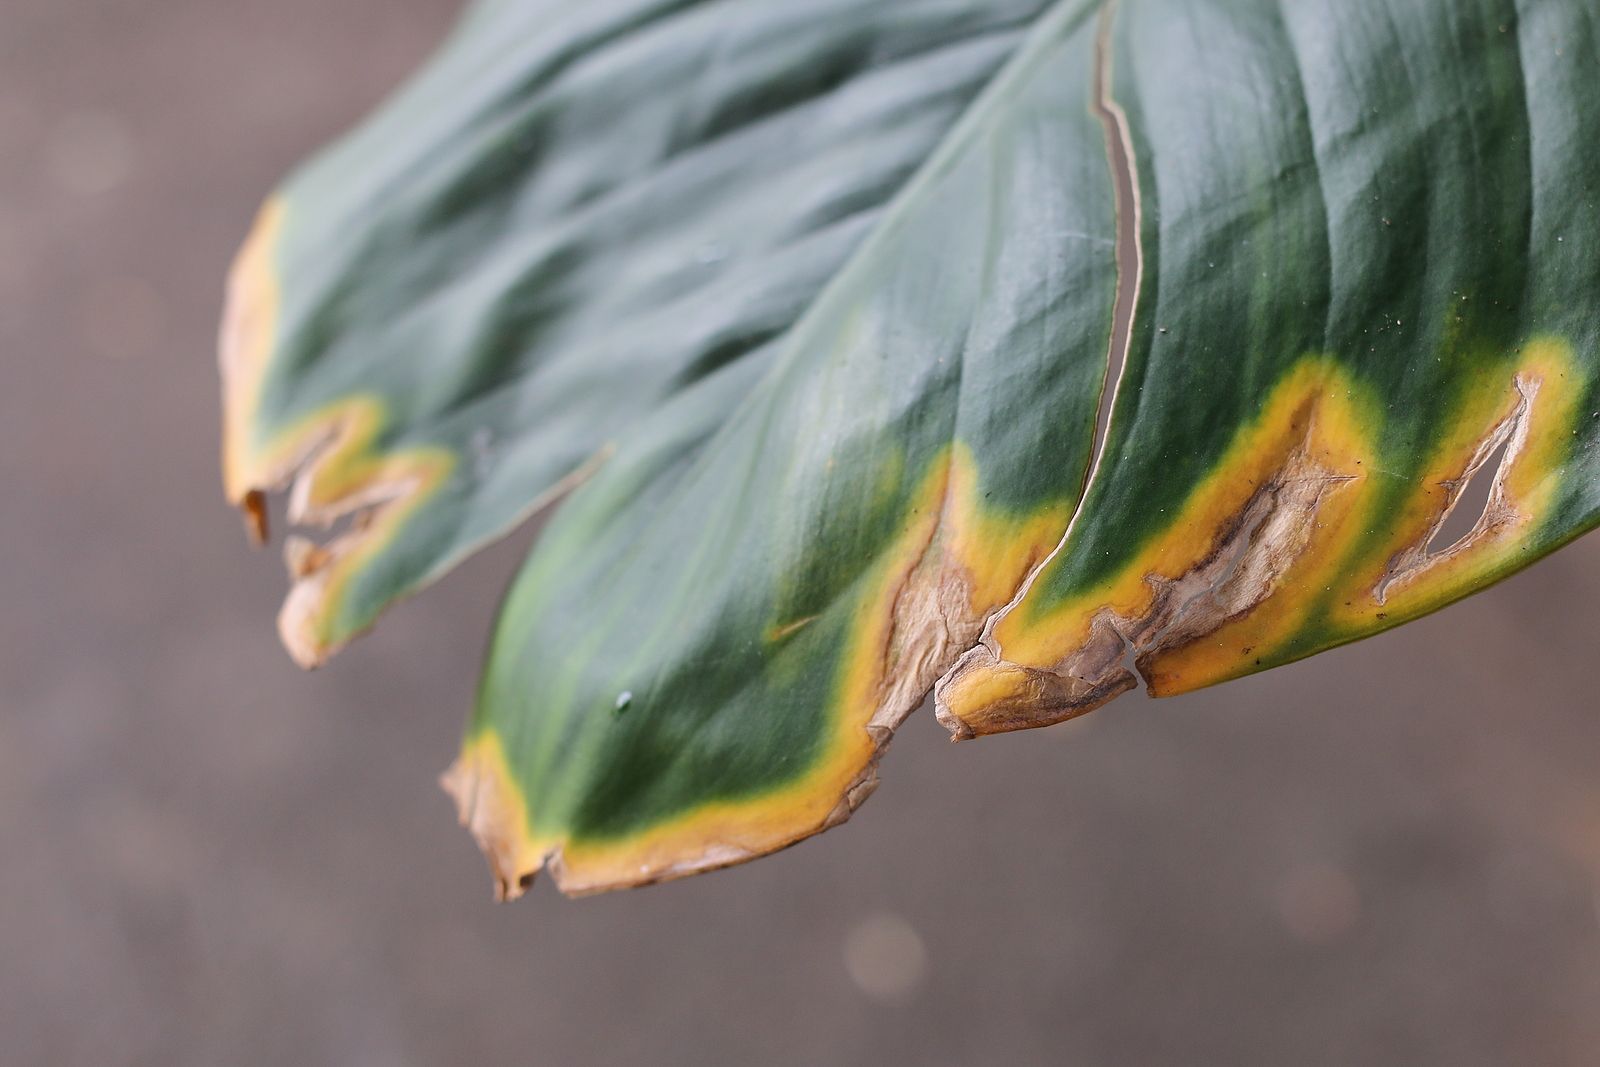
(451, 315)
(1392, 302)
(704, 670)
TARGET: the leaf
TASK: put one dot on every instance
(1179, 349)
(713, 641)
(1372, 278)
(576, 211)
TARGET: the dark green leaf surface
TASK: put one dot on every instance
(711, 644)
(1370, 275)
(1355, 248)
(574, 212)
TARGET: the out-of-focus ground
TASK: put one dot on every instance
(1386, 855)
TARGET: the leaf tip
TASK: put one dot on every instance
(253, 507)
(491, 807)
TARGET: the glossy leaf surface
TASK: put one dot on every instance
(574, 212)
(1351, 250)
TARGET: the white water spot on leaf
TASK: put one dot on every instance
(885, 957)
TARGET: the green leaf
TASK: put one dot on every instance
(573, 213)
(1371, 276)
(1180, 348)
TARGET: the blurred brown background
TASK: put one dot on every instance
(1387, 855)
